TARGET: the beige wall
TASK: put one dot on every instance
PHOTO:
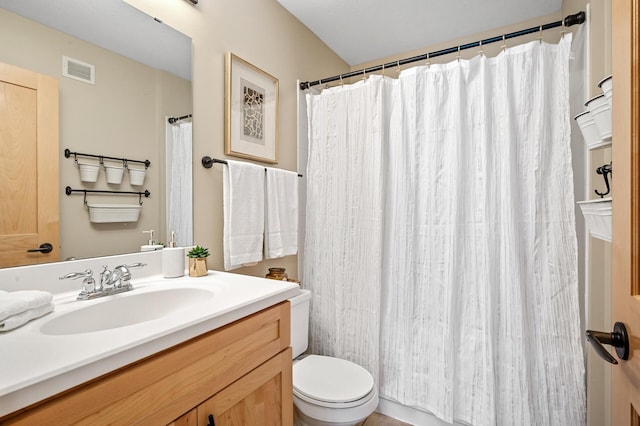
(120, 116)
(266, 35)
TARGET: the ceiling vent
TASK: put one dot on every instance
(78, 70)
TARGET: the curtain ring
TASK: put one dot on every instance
(341, 81)
(429, 59)
(101, 160)
(398, 66)
(504, 42)
(364, 74)
(458, 58)
(383, 70)
(540, 38)
(481, 51)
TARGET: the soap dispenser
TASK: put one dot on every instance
(173, 259)
(152, 245)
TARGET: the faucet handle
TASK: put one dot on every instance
(124, 270)
(88, 284)
(88, 273)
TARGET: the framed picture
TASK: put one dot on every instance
(251, 111)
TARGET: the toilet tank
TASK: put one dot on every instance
(300, 322)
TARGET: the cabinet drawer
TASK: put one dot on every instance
(162, 387)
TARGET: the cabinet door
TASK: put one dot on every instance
(188, 419)
(262, 397)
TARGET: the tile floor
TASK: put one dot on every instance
(377, 419)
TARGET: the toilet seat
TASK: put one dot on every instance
(331, 382)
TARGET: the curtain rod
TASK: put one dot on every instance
(207, 162)
(173, 120)
(569, 21)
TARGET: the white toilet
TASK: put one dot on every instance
(326, 390)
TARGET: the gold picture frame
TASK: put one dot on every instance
(251, 111)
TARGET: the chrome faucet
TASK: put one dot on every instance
(111, 282)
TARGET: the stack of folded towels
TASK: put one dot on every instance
(19, 307)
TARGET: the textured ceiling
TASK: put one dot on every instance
(365, 30)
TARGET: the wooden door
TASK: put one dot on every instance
(29, 191)
(625, 377)
(262, 397)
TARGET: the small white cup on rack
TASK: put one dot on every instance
(114, 174)
(89, 172)
(606, 85)
(601, 112)
(136, 176)
(590, 132)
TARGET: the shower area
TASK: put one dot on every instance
(442, 242)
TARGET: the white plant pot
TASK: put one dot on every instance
(590, 131)
(89, 172)
(606, 85)
(601, 112)
(114, 174)
(113, 213)
(136, 176)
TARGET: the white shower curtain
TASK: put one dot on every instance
(440, 245)
(343, 241)
(179, 182)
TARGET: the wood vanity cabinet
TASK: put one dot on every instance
(240, 374)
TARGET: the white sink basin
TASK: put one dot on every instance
(125, 309)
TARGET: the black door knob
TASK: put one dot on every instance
(619, 339)
(44, 248)
(212, 422)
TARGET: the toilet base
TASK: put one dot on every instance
(323, 416)
(300, 419)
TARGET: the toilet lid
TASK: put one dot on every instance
(329, 379)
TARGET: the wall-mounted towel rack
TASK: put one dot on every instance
(68, 153)
(207, 162)
(173, 120)
(69, 191)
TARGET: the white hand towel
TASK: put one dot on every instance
(243, 213)
(15, 321)
(15, 302)
(281, 213)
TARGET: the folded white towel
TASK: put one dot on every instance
(14, 302)
(15, 321)
(281, 213)
(243, 213)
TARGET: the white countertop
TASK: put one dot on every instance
(35, 365)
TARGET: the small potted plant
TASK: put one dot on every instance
(198, 261)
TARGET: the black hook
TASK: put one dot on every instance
(605, 171)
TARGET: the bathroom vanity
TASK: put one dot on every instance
(222, 354)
